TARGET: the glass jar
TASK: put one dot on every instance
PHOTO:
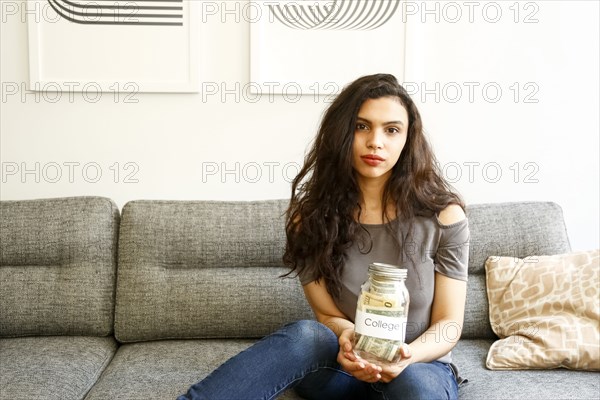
(381, 315)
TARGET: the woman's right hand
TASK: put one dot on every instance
(330, 315)
(356, 366)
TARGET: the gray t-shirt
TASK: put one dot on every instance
(430, 247)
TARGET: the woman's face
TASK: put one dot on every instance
(379, 137)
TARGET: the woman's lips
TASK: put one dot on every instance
(372, 159)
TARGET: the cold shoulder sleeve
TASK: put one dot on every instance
(306, 277)
(452, 256)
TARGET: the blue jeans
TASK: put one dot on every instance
(303, 355)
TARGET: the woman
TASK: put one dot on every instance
(369, 191)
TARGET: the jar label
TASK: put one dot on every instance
(380, 326)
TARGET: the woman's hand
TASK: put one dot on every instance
(390, 372)
(357, 367)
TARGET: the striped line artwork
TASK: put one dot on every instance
(120, 12)
(334, 14)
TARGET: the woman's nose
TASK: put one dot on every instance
(375, 139)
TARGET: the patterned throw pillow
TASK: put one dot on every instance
(545, 310)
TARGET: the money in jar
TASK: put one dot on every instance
(381, 314)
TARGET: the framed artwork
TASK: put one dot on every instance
(317, 46)
(113, 45)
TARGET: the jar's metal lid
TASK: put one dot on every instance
(388, 270)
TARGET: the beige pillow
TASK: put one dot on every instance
(545, 310)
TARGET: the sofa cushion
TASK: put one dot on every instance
(164, 369)
(546, 311)
(483, 383)
(477, 321)
(515, 229)
(203, 269)
(506, 229)
(52, 368)
(57, 266)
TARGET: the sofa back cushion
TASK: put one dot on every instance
(507, 229)
(57, 266)
(203, 269)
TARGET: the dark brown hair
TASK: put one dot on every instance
(321, 219)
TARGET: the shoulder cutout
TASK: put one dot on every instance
(451, 214)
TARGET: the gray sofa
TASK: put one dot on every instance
(101, 304)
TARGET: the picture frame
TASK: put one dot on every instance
(316, 47)
(113, 45)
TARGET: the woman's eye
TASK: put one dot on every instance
(361, 127)
(393, 130)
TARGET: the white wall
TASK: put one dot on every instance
(173, 140)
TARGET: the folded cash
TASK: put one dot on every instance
(373, 299)
(381, 348)
(388, 312)
(383, 287)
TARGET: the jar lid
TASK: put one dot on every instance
(388, 270)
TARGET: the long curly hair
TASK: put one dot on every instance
(321, 222)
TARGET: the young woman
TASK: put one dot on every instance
(369, 191)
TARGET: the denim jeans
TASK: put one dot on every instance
(303, 355)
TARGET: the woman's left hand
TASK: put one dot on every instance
(389, 372)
